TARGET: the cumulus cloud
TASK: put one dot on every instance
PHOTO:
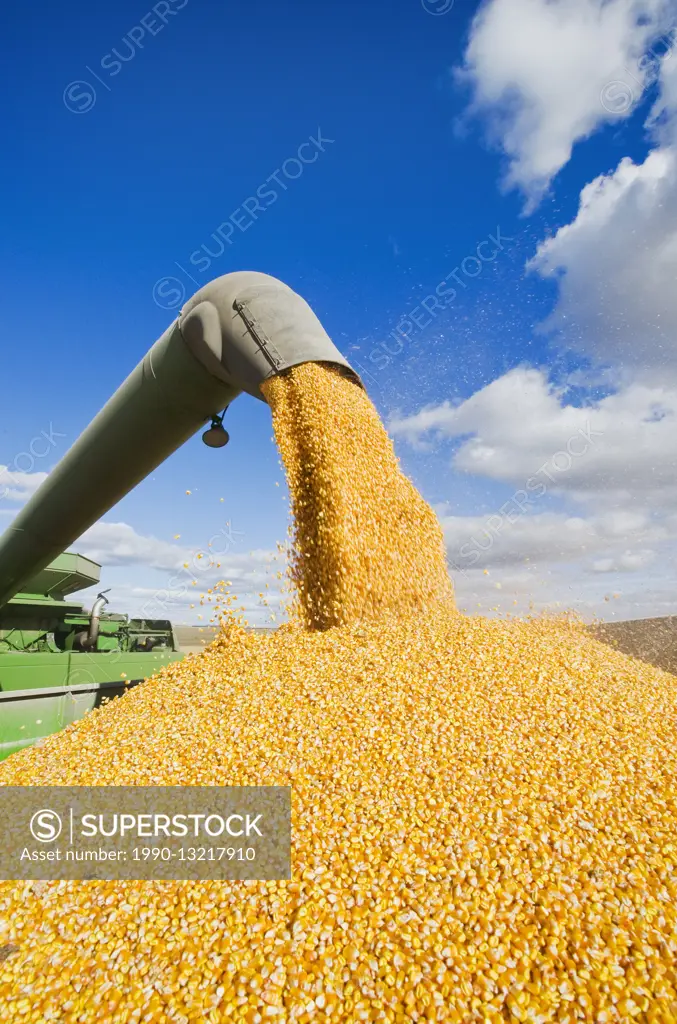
(615, 268)
(17, 486)
(628, 561)
(120, 544)
(615, 564)
(547, 73)
(612, 464)
(185, 573)
(521, 430)
(521, 590)
(590, 487)
(662, 119)
(550, 537)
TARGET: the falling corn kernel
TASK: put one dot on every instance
(484, 813)
(345, 572)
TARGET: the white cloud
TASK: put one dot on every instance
(590, 492)
(615, 267)
(551, 537)
(521, 590)
(628, 561)
(617, 480)
(120, 544)
(520, 430)
(185, 573)
(16, 486)
(549, 72)
(662, 116)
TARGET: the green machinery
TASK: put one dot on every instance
(58, 661)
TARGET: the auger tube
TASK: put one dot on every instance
(235, 333)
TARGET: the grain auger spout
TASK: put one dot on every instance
(235, 333)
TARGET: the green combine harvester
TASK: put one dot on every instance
(58, 661)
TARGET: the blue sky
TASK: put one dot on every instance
(121, 169)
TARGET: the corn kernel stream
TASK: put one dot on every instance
(484, 812)
(366, 546)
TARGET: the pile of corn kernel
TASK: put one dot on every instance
(484, 819)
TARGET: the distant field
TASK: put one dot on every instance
(652, 640)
